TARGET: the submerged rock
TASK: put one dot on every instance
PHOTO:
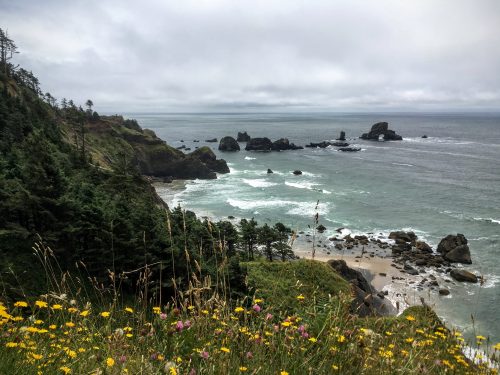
(228, 144)
(213, 140)
(269, 171)
(455, 249)
(463, 275)
(381, 128)
(349, 149)
(297, 172)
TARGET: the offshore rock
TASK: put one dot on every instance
(243, 137)
(381, 128)
(229, 144)
(342, 136)
(455, 249)
(463, 275)
(259, 144)
(207, 156)
(283, 144)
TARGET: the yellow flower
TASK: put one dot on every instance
(243, 368)
(157, 310)
(41, 304)
(84, 313)
(11, 344)
(52, 326)
(36, 356)
(110, 362)
(258, 300)
(479, 337)
(341, 338)
(497, 346)
(300, 297)
(72, 310)
(105, 314)
(313, 340)
(225, 350)
(57, 307)
(284, 373)
(65, 369)
(335, 367)
(129, 310)
(21, 304)
(410, 318)
(70, 324)
(286, 324)
(239, 309)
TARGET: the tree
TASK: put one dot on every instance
(266, 237)
(248, 229)
(7, 50)
(282, 247)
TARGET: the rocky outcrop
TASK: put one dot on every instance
(381, 128)
(400, 235)
(213, 140)
(463, 275)
(243, 137)
(228, 144)
(207, 156)
(297, 172)
(342, 136)
(150, 155)
(283, 144)
(259, 144)
(455, 249)
(325, 144)
(349, 149)
(366, 302)
(269, 171)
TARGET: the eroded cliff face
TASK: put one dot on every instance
(112, 140)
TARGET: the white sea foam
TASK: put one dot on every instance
(258, 183)
(309, 209)
(249, 158)
(297, 208)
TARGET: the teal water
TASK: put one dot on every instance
(447, 183)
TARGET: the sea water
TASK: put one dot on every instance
(444, 184)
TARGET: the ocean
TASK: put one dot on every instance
(445, 184)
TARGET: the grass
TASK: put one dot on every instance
(295, 322)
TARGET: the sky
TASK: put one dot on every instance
(269, 55)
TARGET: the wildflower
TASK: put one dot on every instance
(243, 368)
(163, 316)
(258, 300)
(110, 362)
(497, 346)
(410, 318)
(156, 310)
(335, 367)
(204, 355)
(187, 324)
(129, 310)
(479, 337)
(313, 340)
(65, 369)
(105, 314)
(122, 359)
(11, 344)
(70, 324)
(225, 350)
(249, 355)
(72, 310)
(300, 297)
(269, 316)
(56, 307)
(283, 373)
(179, 326)
(36, 356)
(256, 308)
(239, 309)
(341, 339)
(21, 304)
(286, 324)
(170, 368)
(84, 313)
(41, 304)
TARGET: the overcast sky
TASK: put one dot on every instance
(192, 55)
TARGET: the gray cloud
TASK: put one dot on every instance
(186, 55)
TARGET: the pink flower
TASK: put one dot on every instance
(163, 316)
(192, 372)
(179, 326)
(204, 355)
(269, 316)
(249, 355)
(301, 329)
(187, 324)
(123, 359)
(256, 308)
(305, 335)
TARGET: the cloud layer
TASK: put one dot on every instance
(223, 55)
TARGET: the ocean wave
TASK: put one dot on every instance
(451, 141)
(301, 185)
(487, 219)
(298, 208)
(258, 183)
(249, 158)
(403, 164)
